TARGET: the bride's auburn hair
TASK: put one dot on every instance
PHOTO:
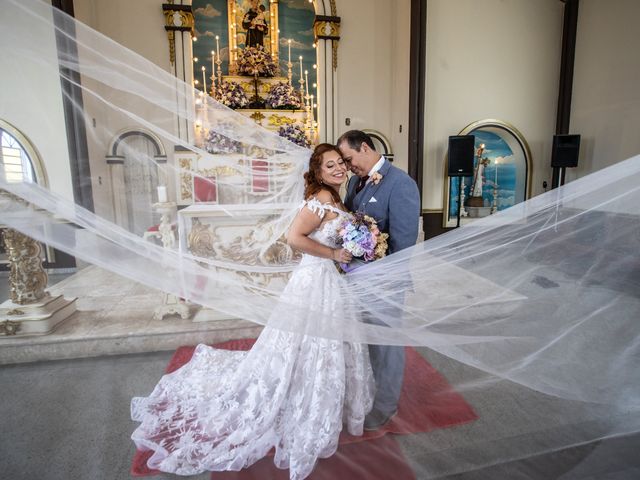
(313, 179)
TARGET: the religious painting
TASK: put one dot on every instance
(289, 31)
(501, 174)
(253, 23)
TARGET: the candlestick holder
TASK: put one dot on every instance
(301, 81)
(219, 63)
(171, 304)
(494, 206)
(463, 211)
(290, 73)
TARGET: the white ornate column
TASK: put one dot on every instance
(30, 310)
(326, 30)
(179, 24)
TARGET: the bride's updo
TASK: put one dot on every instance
(312, 178)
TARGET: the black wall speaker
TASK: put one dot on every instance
(461, 152)
(565, 151)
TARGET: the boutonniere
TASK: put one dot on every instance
(376, 177)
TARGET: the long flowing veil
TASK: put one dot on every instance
(535, 308)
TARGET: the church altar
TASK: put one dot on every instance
(227, 232)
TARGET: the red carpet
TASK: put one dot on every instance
(427, 402)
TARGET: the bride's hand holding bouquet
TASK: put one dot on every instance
(361, 237)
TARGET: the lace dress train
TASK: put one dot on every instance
(225, 410)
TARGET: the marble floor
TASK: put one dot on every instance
(114, 316)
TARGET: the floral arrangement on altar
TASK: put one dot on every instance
(256, 61)
(361, 237)
(283, 96)
(231, 94)
(216, 142)
(294, 134)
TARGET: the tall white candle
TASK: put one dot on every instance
(217, 46)
(300, 67)
(162, 194)
(496, 180)
(306, 81)
(204, 81)
(289, 50)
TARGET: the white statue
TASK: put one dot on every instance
(478, 180)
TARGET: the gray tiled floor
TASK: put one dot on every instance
(69, 420)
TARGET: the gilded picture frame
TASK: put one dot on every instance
(254, 22)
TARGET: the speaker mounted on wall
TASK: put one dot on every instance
(565, 151)
(461, 152)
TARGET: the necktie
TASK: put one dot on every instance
(361, 184)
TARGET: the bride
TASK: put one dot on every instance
(225, 410)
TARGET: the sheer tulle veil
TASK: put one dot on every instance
(542, 297)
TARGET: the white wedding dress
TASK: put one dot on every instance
(224, 410)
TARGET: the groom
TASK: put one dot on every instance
(391, 197)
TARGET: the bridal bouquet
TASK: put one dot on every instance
(361, 237)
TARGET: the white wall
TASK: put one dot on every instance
(373, 69)
(494, 59)
(605, 106)
(138, 25)
(30, 96)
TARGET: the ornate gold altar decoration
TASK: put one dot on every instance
(257, 117)
(28, 279)
(280, 120)
(222, 171)
(186, 182)
(203, 241)
(328, 28)
(8, 328)
(177, 18)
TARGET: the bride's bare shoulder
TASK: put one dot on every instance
(323, 196)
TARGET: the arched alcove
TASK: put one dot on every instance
(134, 179)
(506, 180)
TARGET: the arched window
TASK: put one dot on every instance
(19, 161)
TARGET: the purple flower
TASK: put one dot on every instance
(231, 94)
(256, 61)
(283, 95)
(361, 237)
(294, 134)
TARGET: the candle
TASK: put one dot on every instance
(204, 81)
(289, 50)
(162, 194)
(300, 67)
(213, 72)
(496, 180)
(306, 81)
(217, 46)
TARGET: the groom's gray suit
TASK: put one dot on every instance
(395, 204)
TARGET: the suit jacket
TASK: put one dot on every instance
(394, 203)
